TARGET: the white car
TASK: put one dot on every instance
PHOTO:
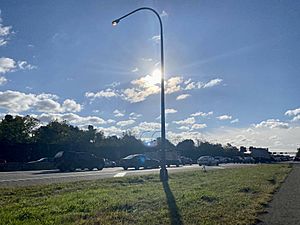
(207, 161)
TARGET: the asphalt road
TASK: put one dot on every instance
(284, 209)
(24, 178)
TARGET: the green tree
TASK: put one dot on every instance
(298, 153)
(58, 133)
(187, 148)
(17, 129)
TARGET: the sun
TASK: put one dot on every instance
(154, 78)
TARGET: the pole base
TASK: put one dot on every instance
(163, 175)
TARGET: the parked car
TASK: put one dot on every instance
(186, 160)
(70, 161)
(139, 160)
(109, 163)
(248, 159)
(41, 164)
(237, 159)
(207, 161)
(172, 157)
(221, 159)
(177, 162)
(297, 158)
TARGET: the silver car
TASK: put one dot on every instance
(207, 161)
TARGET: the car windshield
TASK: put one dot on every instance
(130, 156)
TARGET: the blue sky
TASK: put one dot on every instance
(232, 68)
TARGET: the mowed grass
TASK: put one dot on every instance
(230, 196)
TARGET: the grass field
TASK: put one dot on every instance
(231, 196)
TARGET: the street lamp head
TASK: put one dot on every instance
(115, 22)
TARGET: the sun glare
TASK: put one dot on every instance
(155, 77)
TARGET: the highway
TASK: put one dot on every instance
(38, 177)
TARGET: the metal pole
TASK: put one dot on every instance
(163, 169)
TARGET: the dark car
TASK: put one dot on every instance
(41, 164)
(70, 161)
(138, 160)
(186, 160)
(109, 163)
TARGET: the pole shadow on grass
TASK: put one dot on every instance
(173, 209)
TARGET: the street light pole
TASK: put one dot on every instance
(163, 170)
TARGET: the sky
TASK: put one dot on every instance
(231, 68)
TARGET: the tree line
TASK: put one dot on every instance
(24, 138)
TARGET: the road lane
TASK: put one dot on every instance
(24, 178)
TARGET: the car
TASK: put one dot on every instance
(109, 163)
(297, 158)
(177, 162)
(221, 159)
(237, 159)
(40, 164)
(207, 161)
(248, 159)
(71, 160)
(139, 160)
(186, 160)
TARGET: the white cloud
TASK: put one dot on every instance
(198, 126)
(163, 14)
(293, 112)
(188, 121)
(169, 111)
(135, 70)
(173, 85)
(234, 121)
(264, 136)
(110, 121)
(191, 86)
(3, 80)
(156, 38)
(69, 105)
(7, 65)
(146, 126)
(274, 139)
(213, 83)
(72, 118)
(148, 85)
(183, 96)
(134, 95)
(203, 114)
(147, 59)
(177, 137)
(5, 32)
(109, 131)
(134, 116)
(114, 84)
(23, 65)
(108, 93)
(224, 117)
(272, 123)
(183, 128)
(118, 113)
(14, 101)
(296, 118)
(125, 123)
